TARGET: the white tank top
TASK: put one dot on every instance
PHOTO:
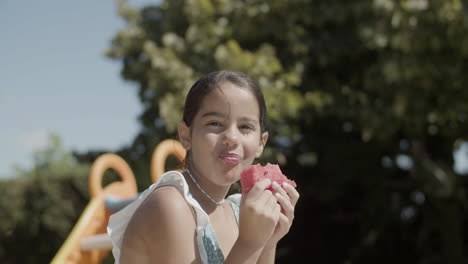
(208, 246)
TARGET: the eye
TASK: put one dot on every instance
(247, 128)
(214, 123)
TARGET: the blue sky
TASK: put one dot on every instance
(54, 79)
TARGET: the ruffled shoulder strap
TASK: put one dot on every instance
(118, 222)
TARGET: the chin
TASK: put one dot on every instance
(232, 175)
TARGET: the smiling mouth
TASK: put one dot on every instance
(230, 158)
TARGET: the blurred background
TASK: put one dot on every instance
(367, 113)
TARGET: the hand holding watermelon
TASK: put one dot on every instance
(259, 215)
(283, 190)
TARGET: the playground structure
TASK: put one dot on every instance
(88, 241)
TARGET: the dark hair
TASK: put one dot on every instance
(213, 80)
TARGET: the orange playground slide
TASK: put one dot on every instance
(88, 241)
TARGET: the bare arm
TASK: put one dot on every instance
(162, 230)
(259, 214)
(287, 197)
(267, 256)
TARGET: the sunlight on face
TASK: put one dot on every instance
(226, 135)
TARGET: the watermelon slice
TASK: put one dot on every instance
(257, 172)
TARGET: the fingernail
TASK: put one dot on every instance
(285, 184)
(275, 184)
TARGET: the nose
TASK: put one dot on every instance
(231, 137)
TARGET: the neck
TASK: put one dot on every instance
(204, 191)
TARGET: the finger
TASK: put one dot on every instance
(277, 212)
(277, 188)
(259, 187)
(269, 200)
(286, 205)
(264, 198)
(272, 209)
(283, 194)
(292, 193)
(262, 184)
(284, 221)
(282, 225)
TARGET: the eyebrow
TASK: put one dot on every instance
(213, 114)
(248, 119)
(218, 114)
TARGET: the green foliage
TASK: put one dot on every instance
(39, 206)
(354, 89)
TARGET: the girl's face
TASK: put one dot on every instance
(225, 136)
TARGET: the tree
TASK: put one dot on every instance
(39, 206)
(367, 105)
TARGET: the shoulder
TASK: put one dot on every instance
(166, 206)
(166, 200)
(163, 220)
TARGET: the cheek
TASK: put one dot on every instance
(203, 142)
(251, 148)
(203, 136)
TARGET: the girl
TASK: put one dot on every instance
(184, 217)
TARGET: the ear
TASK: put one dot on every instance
(184, 135)
(263, 142)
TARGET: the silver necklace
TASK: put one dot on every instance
(203, 191)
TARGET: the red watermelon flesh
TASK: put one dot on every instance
(257, 172)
